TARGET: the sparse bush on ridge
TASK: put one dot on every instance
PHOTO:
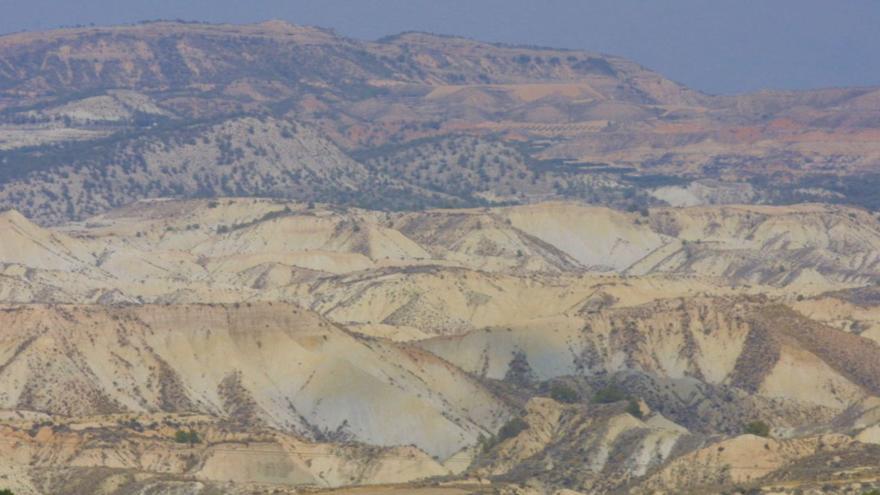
(609, 394)
(612, 394)
(225, 229)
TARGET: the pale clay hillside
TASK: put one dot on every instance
(315, 345)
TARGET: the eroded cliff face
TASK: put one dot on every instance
(266, 364)
(114, 446)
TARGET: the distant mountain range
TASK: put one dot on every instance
(95, 118)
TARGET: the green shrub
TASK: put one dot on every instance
(190, 437)
(608, 395)
(758, 428)
(561, 392)
(634, 409)
(6, 491)
(512, 428)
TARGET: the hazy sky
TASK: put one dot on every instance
(718, 46)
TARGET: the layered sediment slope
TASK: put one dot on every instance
(542, 347)
(265, 364)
